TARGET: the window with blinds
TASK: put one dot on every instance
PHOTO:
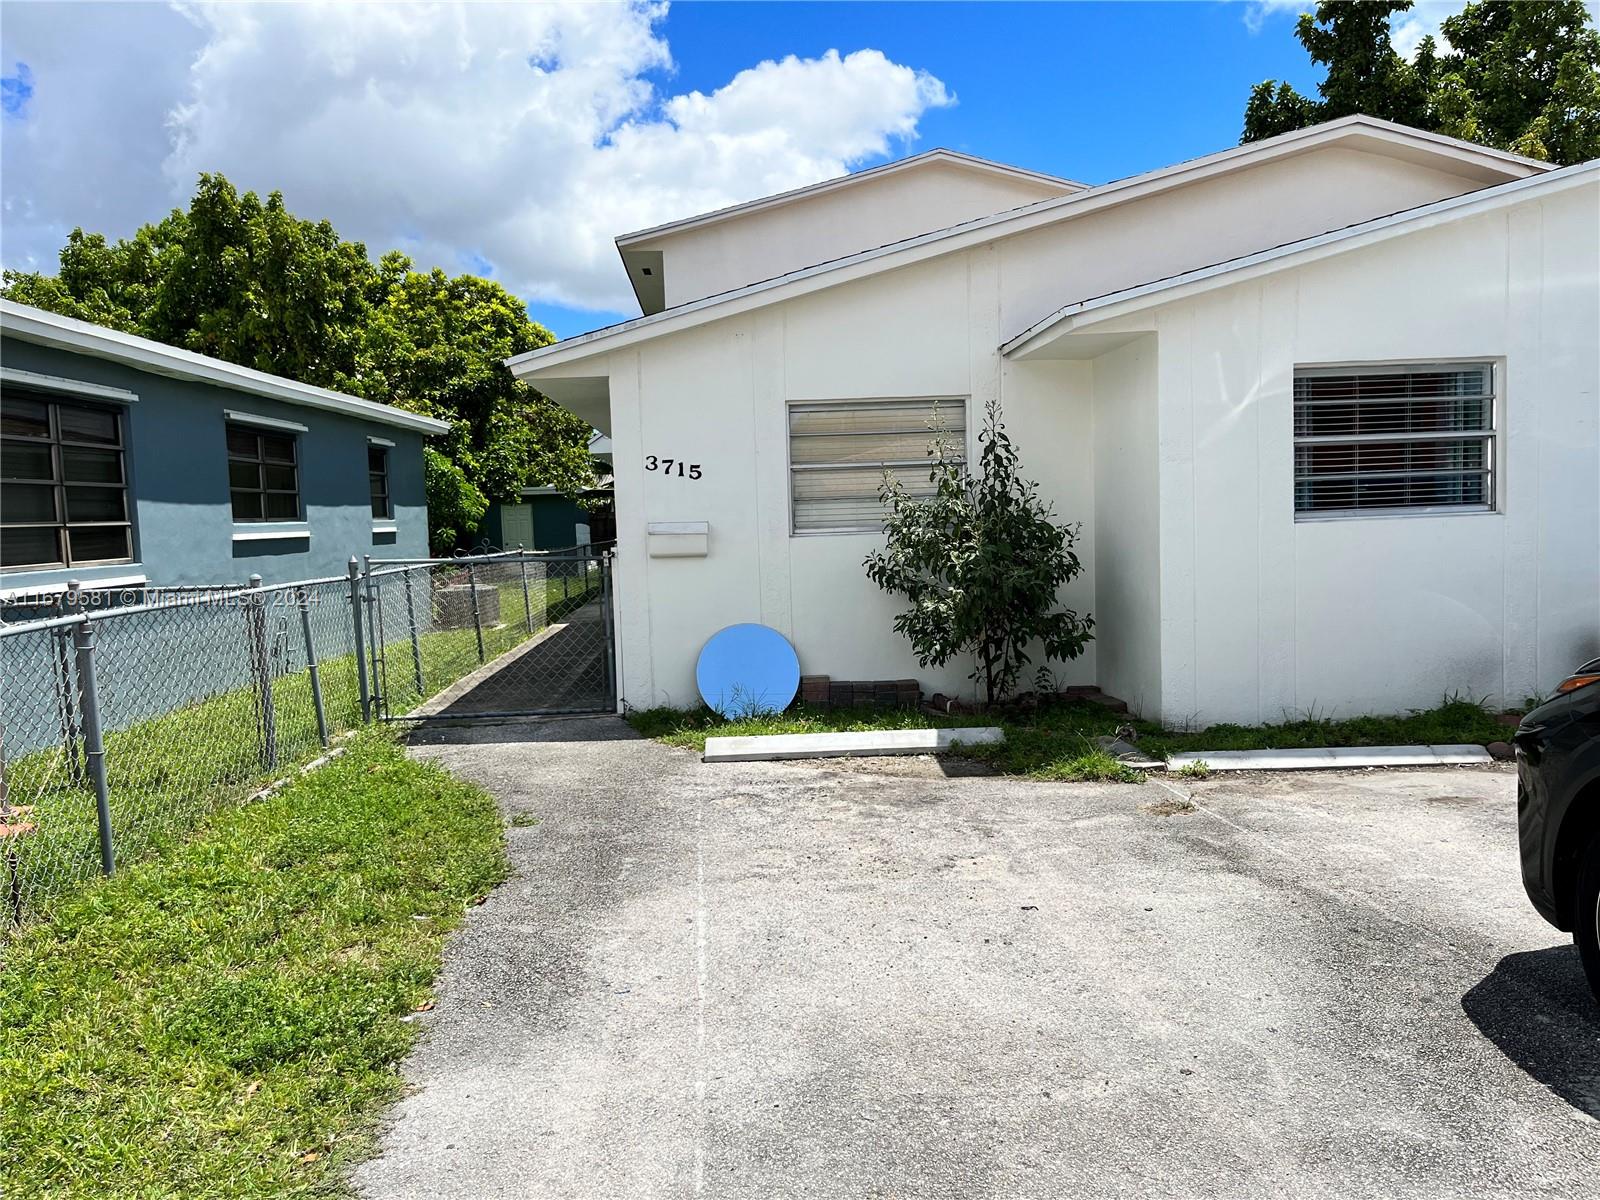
(64, 500)
(839, 450)
(1370, 439)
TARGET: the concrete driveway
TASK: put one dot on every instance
(828, 980)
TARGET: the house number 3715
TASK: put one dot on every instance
(672, 466)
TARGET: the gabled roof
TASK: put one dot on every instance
(65, 333)
(937, 155)
(1490, 165)
(1098, 309)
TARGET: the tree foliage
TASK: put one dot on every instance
(243, 279)
(981, 562)
(1523, 77)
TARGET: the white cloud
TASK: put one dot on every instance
(526, 136)
(1256, 12)
(1407, 29)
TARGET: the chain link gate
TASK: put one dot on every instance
(519, 633)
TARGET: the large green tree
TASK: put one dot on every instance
(1520, 76)
(243, 279)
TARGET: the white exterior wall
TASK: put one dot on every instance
(1196, 616)
(1262, 615)
(1127, 561)
(1209, 221)
(866, 214)
(718, 396)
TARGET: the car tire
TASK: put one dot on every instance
(1586, 917)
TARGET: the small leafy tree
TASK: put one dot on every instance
(981, 562)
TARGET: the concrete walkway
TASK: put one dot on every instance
(561, 668)
(839, 980)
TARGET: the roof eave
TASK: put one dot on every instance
(1096, 311)
(985, 228)
(626, 241)
(66, 333)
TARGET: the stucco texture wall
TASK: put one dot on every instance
(864, 215)
(1263, 616)
(1211, 603)
(178, 481)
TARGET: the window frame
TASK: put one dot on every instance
(962, 403)
(388, 492)
(1490, 436)
(57, 443)
(261, 462)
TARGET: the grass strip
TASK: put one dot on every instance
(226, 1020)
(166, 773)
(1056, 740)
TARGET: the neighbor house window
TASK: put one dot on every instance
(65, 488)
(840, 449)
(378, 482)
(1372, 439)
(263, 475)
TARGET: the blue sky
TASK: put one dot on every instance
(1091, 91)
(517, 140)
(1088, 91)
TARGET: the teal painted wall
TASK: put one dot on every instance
(555, 524)
(177, 463)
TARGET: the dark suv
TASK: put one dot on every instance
(1558, 811)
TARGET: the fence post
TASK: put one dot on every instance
(527, 606)
(416, 639)
(378, 670)
(565, 575)
(610, 647)
(354, 573)
(311, 666)
(255, 610)
(477, 618)
(94, 748)
(63, 670)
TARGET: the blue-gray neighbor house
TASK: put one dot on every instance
(127, 461)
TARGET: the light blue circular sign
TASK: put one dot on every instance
(747, 670)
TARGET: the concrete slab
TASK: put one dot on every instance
(1321, 759)
(814, 980)
(862, 743)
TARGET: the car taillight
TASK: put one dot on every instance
(1573, 682)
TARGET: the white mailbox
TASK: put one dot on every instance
(678, 539)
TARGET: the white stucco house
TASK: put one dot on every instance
(1327, 407)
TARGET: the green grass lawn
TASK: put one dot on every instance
(165, 774)
(226, 1020)
(1055, 741)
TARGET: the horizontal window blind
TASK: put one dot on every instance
(839, 451)
(1393, 437)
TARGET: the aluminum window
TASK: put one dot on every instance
(378, 482)
(839, 450)
(263, 474)
(63, 484)
(1413, 437)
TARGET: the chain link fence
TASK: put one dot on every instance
(122, 725)
(491, 635)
